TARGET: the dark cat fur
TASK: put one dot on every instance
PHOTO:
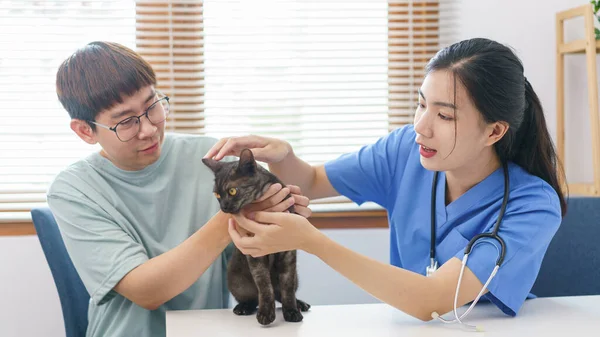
(256, 281)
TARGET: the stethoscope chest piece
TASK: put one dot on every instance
(433, 265)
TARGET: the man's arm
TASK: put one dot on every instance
(165, 276)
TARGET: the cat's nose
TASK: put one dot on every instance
(227, 208)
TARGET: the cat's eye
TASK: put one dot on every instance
(232, 191)
(217, 195)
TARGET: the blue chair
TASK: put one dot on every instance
(74, 298)
(571, 266)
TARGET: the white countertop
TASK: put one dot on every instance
(561, 316)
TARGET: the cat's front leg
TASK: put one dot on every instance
(259, 267)
(288, 284)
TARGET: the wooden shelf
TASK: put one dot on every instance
(582, 189)
(576, 47)
(590, 47)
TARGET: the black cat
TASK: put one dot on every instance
(256, 281)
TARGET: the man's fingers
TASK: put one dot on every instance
(282, 206)
(294, 189)
(303, 211)
(273, 199)
(301, 200)
(278, 197)
(269, 192)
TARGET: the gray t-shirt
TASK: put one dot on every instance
(114, 220)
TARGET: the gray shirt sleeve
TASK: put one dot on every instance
(102, 252)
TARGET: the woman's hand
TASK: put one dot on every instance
(268, 150)
(272, 233)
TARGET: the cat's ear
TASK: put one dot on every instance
(246, 164)
(212, 164)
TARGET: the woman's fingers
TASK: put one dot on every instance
(234, 145)
(264, 149)
(247, 224)
(267, 217)
(216, 148)
(243, 243)
(273, 232)
(231, 147)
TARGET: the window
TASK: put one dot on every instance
(35, 138)
(311, 72)
(328, 76)
(417, 29)
(169, 35)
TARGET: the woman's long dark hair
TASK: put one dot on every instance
(493, 77)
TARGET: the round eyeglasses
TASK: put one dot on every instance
(128, 128)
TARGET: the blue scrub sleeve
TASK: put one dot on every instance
(369, 173)
(527, 229)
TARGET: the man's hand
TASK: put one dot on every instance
(274, 200)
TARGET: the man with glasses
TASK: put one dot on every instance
(138, 218)
(130, 126)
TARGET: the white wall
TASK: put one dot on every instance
(29, 300)
(529, 27)
(321, 285)
(30, 305)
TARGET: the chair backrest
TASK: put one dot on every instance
(73, 296)
(571, 266)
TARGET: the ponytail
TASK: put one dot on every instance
(533, 149)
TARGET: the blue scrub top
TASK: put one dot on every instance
(390, 174)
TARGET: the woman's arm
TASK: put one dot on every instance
(282, 162)
(415, 294)
(314, 179)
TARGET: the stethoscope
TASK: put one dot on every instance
(492, 235)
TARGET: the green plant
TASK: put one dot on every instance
(596, 5)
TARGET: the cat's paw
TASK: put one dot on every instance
(292, 315)
(244, 309)
(265, 317)
(303, 306)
